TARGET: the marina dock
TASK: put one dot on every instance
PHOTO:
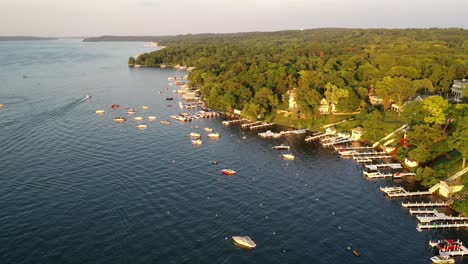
(442, 225)
(248, 125)
(403, 174)
(384, 165)
(315, 136)
(422, 211)
(396, 192)
(263, 125)
(231, 122)
(424, 204)
(440, 217)
(372, 157)
(377, 175)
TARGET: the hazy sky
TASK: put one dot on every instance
(171, 17)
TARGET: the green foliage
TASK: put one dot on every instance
(131, 60)
(435, 107)
(426, 176)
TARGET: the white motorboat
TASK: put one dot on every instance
(442, 260)
(244, 241)
(281, 147)
(288, 156)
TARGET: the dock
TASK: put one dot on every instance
(422, 211)
(396, 192)
(384, 165)
(367, 153)
(441, 225)
(263, 125)
(403, 174)
(424, 204)
(248, 125)
(315, 136)
(377, 175)
(337, 141)
(440, 217)
(354, 148)
(372, 157)
(231, 122)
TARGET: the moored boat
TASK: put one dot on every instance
(114, 106)
(144, 107)
(165, 122)
(244, 241)
(119, 119)
(169, 98)
(442, 260)
(131, 111)
(228, 172)
(197, 142)
(213, 135)
(281, 147)
(100, 112)
(138, 118)
(195, 135)
(208, 129)
(142, 126)
(288, 156)
(151, 118)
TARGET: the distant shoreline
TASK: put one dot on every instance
(24, 38)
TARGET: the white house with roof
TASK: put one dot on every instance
(356, 133)
(459, 89)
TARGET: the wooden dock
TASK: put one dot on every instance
(315, 136)
(440, 217)
(420, 227)
(424, 204)
(231, 122)
(263, 125)
(396, 192)
(354, 148)
(248, 125)
(337, 141)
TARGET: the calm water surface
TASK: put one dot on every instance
(79, 188)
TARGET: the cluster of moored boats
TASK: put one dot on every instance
(196, 136)
(186, 117)
(131, 112)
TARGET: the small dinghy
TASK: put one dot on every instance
(119, 119)
(244, 241)
(138, 118)
(208, 129)
(281, 147)
(442, 260)
(165, 122)
(356, 253)
(169, 98)
(100, 112)
(214, 162)
(288, 156)
(144, 107)
(131, 111)
(1, 105)
(142, 126)
(114, 106)
(228, 172)
(151, 118)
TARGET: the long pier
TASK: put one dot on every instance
(376, 175)
(441, 225)
(315, 136)
(230, 122)
(440, 217)
(424, 204)
(248, 125)
(337, 141)
(368, 153)
(423, 211)
(384, 165)
(395, 192)
(263, 125)
(372, 157)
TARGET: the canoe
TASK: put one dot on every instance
(244, 241)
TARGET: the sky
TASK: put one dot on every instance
(62, 18)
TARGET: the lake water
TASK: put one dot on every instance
(80, 188)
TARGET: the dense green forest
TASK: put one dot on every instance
(254, 72)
